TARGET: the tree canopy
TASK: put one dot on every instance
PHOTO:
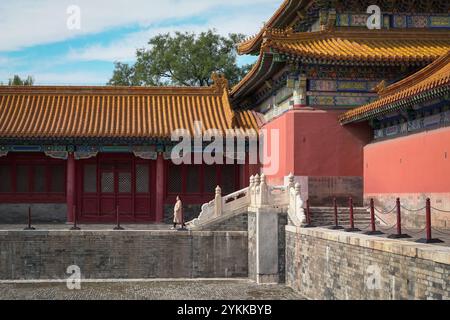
(17, 81)
(182, 59)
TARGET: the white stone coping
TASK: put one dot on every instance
(82, 233)
(435, 253)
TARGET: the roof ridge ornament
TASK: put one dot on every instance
(220, 83)
(380, 88)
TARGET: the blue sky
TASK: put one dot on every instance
(35, 38)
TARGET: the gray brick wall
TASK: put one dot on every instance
(331, 267)
(236, 223)
(128, 254)
(40, 213)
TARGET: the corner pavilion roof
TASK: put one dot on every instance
(430, 82)
(283, 17)
(36, 112)
(344, 46)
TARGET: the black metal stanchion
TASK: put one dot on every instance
(373, 225)
(352, 217)
(75, 221)
(336, 218)
(429, 238)
(29, 227)
(118, 227)
(308, 216)
(399, 234)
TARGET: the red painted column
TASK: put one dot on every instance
(160, 183)
(244, 177)
(70, 188)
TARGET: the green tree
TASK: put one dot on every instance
(182, 59)
(17, 81)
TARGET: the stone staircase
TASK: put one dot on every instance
(324, 216)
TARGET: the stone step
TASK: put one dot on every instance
(324, 216)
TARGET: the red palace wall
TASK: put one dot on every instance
(314, 144)
(412, 168)
(414, 164)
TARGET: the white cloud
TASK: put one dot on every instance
(124, 49)
(27, 23)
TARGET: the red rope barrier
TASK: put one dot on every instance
(352, 218)
(399, 234)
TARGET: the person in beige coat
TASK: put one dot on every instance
(178, 214)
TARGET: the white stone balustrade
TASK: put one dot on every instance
(258, 195)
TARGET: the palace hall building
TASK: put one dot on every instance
(359, 112)
(316, 61)
(90, 151)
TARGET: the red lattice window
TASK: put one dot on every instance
(228, 179)
(5, 179)
(124, 182)
(175, 179)
(192, 179)
(90, 178)
(57, 179)
(197, 183)
(142, 178)
(22, 178)
(39, 179)
(31, 177)
(107, 182)
(210, 179)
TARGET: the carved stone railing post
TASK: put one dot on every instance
(263, 191)
(291, 181)
(296, 211)
(257, 188)
(218, 202)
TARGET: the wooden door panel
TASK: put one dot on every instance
(142, 206)
(90, 206)
(108, 206)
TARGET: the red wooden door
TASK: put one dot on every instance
(116, 188)
(121, 183)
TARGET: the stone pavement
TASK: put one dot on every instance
(149, 290)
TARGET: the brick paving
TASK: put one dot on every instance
(149, 290)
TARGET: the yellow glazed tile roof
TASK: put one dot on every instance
(434, 76)
(96, 112)
(362, 45)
